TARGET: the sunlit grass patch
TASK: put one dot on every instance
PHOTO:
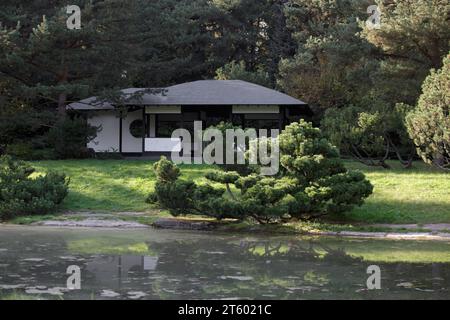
(417, 195)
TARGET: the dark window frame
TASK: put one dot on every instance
(178, 123)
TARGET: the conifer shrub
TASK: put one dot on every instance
(23, 194)
(429, 123)
(312, 182)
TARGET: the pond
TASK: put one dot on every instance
(161, 264)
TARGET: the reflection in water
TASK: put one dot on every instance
(155, 264)
(105, 268)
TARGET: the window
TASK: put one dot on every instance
(262, 121)
(188, 121)
(137, 128)
(166, 124)
(216, 114)
(262, 124)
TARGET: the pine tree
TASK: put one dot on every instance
(429, 123)
(332, 64)
(413, 37)
(47, 61)
(238, 71)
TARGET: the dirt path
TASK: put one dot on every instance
(93, 223)
(95, 220)
(438, 231)
(433, 227)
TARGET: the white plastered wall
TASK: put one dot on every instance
(130, 143)
(107, 139)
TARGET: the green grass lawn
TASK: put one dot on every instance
(111, 185)
(418, 195)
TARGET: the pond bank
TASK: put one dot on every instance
(137, 220)
(433, 234)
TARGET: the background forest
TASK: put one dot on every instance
(366, 85)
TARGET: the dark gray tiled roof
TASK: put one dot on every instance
(202, 92)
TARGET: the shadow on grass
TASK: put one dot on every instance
(397, 169)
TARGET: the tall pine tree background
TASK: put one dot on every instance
(319, 51)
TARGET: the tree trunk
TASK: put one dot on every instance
(62, 98)
(62, 105)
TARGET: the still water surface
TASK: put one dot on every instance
(158, 264)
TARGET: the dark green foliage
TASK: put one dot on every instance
(27, 151)
(22, 132)
(238, 71)
(20, 150)
(49, 65)
(362, 74)
(410, 34)
(332, 65)
(152, 198)
(319, 51)
(166, 171)
(68, 137)
(242, 169)
(340, 61)
(43, 154)
(217, 208)
(370, 134)
(429, 123)
(21, 124)
(108, 155)
(21, 194)
(413, 38)
(31, 135)
(312, 182)
(318, 173)
(176, 195)
(223, 177)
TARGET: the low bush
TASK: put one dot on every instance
(112, 154)
(178, 196)
(22, 194)
(26, 151)
(20, 150)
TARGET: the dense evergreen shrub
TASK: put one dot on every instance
(312, 182)
(28, 151)
(370, 134)
(69, 137)
(28, 134)
(429, 123)
(22, 194)
(240, 168)
(177, 195)
(20, 150)
(22, 132)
